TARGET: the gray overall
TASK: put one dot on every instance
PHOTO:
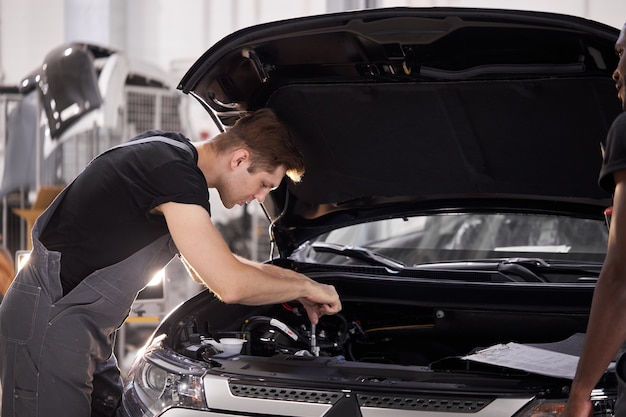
(56, 352)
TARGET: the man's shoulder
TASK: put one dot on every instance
(620, 121)
(174, 139)
(162, 133)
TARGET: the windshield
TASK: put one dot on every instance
(466, 237)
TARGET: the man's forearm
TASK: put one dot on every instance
(605, 334)
(271, 269)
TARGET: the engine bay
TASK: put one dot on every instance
(366, 332)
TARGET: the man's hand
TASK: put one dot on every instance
(324, 301)
(578, 408)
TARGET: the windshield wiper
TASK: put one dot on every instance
(537, 266)
(516, 269)
(356, 252)
(525, 268)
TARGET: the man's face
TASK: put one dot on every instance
(241, 186)
(619, 75)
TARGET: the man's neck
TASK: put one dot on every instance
(208, 161)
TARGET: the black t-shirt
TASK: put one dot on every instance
(614, 153)
(104, 216)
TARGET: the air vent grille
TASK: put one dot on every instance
(451, 404)
(285, 394)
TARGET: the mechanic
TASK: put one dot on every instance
(100, 242)
(606, 331)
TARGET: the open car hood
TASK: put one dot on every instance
(422, 108)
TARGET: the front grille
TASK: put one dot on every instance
(426, 403)
(285, 394)
(398, 402)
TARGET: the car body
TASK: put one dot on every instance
(450, 196)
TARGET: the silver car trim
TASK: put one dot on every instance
(300, 402)
(219, 396)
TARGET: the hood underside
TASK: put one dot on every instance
(433, 103)
(453, 138)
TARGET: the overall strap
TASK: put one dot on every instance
(185, 146)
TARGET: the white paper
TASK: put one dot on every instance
(528, 358)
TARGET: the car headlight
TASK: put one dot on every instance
(161, 379)
(603, 405)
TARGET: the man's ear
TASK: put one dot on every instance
(239, 156)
